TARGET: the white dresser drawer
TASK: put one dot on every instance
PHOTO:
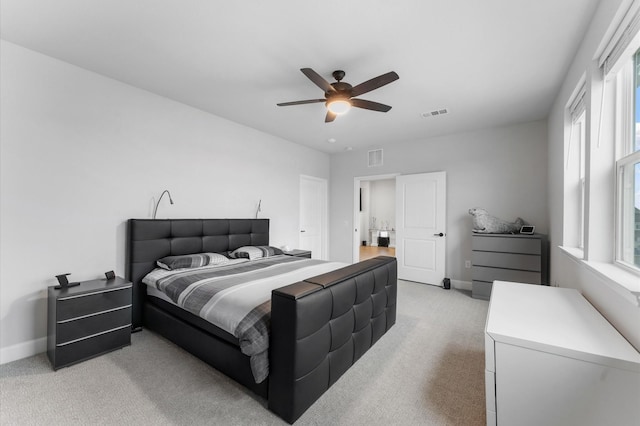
(490, 390)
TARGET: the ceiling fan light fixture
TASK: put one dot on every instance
(339, 96)
(339, 106)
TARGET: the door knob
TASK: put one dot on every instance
(439, 235)
(302, 230)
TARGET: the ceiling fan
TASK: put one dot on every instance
(339, 96)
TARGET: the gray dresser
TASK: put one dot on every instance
(507, 257)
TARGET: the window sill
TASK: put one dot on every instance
(574, 252)
(619, 279)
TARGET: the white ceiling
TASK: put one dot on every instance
(490, 62)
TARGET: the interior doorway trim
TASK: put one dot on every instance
(324, 234)
(355, 241)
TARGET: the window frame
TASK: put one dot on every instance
(625, 124)
(575, 171)
(582, 205)
(621, 164)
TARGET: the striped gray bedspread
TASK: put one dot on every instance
(237, 296)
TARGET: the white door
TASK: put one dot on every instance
(313, 215)
(420, 227)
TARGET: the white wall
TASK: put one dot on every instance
(503, 170)
(565, 271)
(81, 153)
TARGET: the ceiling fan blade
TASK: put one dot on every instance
(308, 101)
(330, 117)
(374, 106)
(317, 79)
(374, 83)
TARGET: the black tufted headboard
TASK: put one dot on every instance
(153, 239)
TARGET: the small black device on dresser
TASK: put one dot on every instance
(298, 253)
(88, 320)
(64, 281)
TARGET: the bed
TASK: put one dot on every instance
(319, 325)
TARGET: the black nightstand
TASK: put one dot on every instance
(298, 253)
(88, 320)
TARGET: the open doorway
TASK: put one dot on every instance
(412, 222)
(376, 217)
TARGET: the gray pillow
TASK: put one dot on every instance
(254, 252)
(191, 261)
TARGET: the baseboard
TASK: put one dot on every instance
(461, 285)
(23, 350)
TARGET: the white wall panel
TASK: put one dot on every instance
(81, 153)
(502, 170)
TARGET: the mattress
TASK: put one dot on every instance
(164, 303)
(236, 297)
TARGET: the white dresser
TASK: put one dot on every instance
(552, 359)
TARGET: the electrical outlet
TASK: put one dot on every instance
(467, 264)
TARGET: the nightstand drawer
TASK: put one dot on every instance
(88, 348)
(74, 329)
(86, 304)
(299, 253)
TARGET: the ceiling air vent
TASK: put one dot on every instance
(435, 113)
(375, 158)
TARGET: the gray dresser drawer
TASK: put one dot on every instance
(506, 244)
(481, 290)
(483, 273)
(526, 262)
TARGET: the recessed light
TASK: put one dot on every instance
(331, 140)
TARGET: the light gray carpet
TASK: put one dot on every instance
(427, 370)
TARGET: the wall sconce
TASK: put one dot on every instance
(155, 210)
(259, 209)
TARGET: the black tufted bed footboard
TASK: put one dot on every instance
(322, 326)
(319, 327)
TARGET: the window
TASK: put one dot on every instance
(575, 172)
(580, 124)
(602, 147)
(628, 176)
(620, 61)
